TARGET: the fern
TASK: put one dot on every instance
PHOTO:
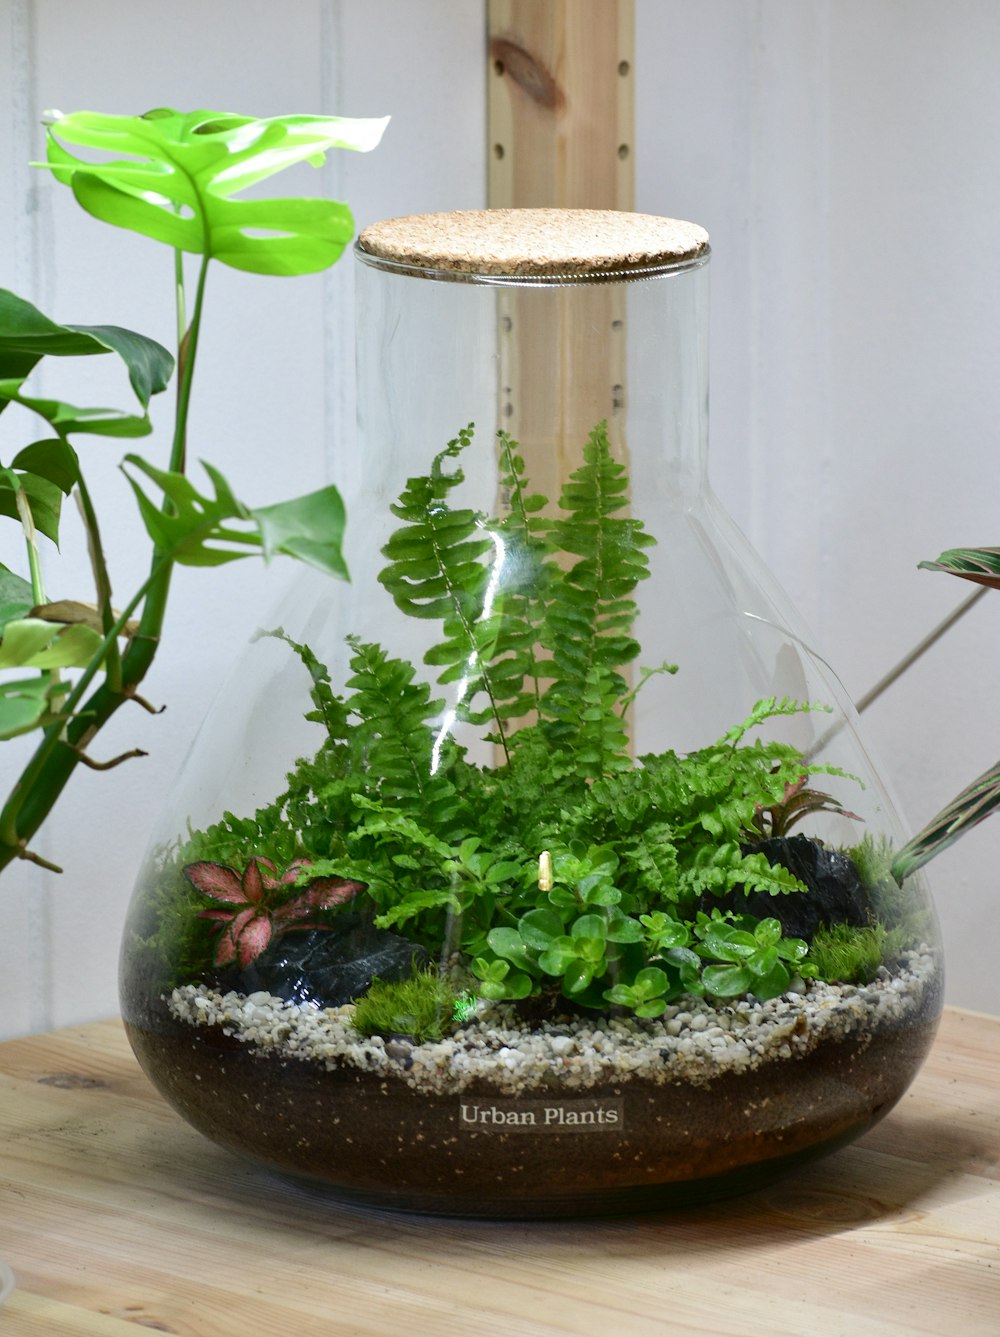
(587, 626)
(329, 709)
(720, 868)
(768, 708)
(436, 571)
(651, 858)
(537, 617)
(398, 747)
(526, 578)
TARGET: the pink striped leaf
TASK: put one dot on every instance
(216, 880)
(981, 565)
(973, 805)
(253, 939)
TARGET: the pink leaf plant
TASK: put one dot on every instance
(253, 913)
(798, 801)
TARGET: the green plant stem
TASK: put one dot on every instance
(57, 756)
(31, 543)
(181, 314)
(143, 647)
(187, 351)
(102, 581)
(27, 788)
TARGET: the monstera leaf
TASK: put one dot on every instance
(26, 336)
(173, 176)
(198, 530)
(67, 418)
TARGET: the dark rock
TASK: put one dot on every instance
(835, 892)
(328, 967)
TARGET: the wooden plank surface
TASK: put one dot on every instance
(115, 1216)
(561, 103)
(560, 130)
(560, 134)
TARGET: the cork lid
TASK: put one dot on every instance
(533, 244)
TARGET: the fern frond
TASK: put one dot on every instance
(645, 674)
(447, 564)
(330, 709)
(527, 573)
(435, 569)
(601, 743)
(418, 903)
(767, 708)
(719, 869)
(589, 615)
(396, 743)
(650, 857)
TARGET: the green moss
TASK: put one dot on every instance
(906, 916)
(422, 1006)
(853, 955)
(873, 858)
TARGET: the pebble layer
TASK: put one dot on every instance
(694, 1041)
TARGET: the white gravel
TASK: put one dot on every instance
(694, 1041)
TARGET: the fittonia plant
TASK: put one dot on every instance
(564, 866)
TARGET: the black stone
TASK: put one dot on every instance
(835, 892)
(328, 967)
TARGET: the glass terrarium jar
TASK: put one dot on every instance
(541, 869)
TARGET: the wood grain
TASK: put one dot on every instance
(561, 103)
(115, 1216)
(561, 123)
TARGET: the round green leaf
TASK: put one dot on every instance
(728, 981)
(539, 927)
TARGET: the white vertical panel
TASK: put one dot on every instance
(425, 65)
(273, 407)
(25, 894)
(915, 412)
(846, 159)
(732, 113)
(694, 142)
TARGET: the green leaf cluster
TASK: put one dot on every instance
(749, 955)
(36, 635)
(180, 179)
(567, 868)
(174, 176)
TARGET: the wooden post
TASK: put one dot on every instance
(561, 117)
(561, 121)
(561, 105)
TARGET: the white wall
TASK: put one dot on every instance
(845, 158)
(843, 154)
(274, 403)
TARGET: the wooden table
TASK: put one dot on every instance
(115, 1216)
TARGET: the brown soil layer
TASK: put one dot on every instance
(379, 1142)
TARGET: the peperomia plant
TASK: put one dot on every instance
(566, 867)
(982, 797)
(68, 665)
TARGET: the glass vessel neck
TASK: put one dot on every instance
(545, 361)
